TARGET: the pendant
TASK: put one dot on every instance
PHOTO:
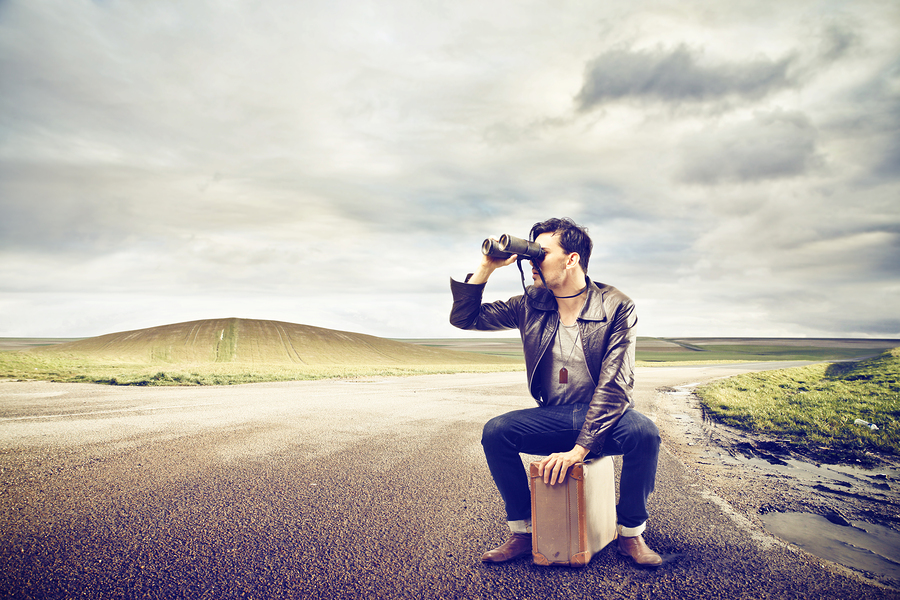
(564, 375)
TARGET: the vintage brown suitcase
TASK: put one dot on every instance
(573, 520)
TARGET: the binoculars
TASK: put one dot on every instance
(509, 245)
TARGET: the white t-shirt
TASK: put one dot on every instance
(564, 372)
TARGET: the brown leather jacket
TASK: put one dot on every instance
(607, 323)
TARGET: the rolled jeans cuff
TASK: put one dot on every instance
(631, 531)
(520, 526)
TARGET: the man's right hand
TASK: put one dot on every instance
(489, 265)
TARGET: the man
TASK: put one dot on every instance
(578, 337)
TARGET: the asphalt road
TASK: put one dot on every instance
(331, 489)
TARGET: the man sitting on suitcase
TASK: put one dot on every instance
(579, 338)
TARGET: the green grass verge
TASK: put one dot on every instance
(815, 408)
(30, 366)
(23, 366)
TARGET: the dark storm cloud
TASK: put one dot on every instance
(868, 118)
(770, 146)
(859, 324)
(66, 212)
(887, 120)
(838, 40)
(889, 165)
(679, 75)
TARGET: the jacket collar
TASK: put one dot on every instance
(542, 299)
(593, 307)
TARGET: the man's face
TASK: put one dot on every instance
(554, 264)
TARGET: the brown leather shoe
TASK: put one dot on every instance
(518, 544)
(638, 551)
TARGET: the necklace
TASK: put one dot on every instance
(564, 372)
(573, 295)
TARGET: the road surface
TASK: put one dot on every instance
(371, 488)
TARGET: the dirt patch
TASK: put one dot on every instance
(758, 474)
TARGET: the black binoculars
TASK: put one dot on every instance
(509, 245)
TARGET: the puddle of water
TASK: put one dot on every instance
(862, 546)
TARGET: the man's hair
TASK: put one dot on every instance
(572, 237)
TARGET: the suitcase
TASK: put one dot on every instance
(573, 520)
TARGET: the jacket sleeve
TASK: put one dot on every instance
(469, 312)
(613, 394)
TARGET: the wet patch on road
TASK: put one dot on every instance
(872, 549)
(847, 514)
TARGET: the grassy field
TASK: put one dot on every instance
(824, 411)
(666, 351)
(656, 351)
(231, 351)
(228, 351)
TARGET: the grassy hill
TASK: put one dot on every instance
(219, 351)
(252, 341)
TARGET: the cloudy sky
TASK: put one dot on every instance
(335, 163)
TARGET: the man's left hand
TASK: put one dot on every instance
(554, 467)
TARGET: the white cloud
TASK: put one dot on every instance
(334, 163)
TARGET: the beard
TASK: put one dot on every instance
(541, 297)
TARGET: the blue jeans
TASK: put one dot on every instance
(546, 429)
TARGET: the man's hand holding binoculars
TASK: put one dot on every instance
(505, 251)
(489, 264)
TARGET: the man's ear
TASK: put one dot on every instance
(573, 261)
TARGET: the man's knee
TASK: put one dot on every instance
(500, 429)
(639, 432)
(493, 430)
(648, 432)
